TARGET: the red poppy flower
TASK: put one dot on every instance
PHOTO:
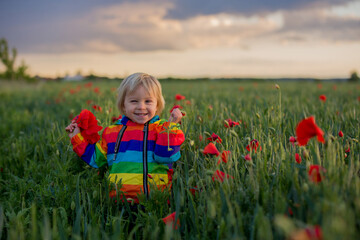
(254, 145)
(97, 108)
(220, 176)
(97, 90)
(188, 102)
(179, 107)
(292, 140)
(88, 102)
(194, 190)
(347, 150)
(307, 129)
(297, 158)
(170, 219)
(179, 97)
(290, 211)
(211, 149)
(88, 125)
(229, 123)
(114, 119)
(316, 173)
(88, 85)
(224, 157)
(215, 137)
(341, 134)
(201, 137)
(309, 233)
(322, 98)
(73, 91)
(210, 107)
(247, 157)
(314, 233)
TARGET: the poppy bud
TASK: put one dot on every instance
(305, 187)
(277, 86)
(247, 157)
(341, 134)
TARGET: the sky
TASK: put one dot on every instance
(185, 38)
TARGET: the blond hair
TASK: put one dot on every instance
(150, 83)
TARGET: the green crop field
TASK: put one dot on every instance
(47, 191)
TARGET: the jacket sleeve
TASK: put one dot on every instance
(93, 154)
(164, 152)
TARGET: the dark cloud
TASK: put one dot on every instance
(43, 26)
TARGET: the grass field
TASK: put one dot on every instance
(46, 191)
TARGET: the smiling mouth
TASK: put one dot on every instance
(141, 114)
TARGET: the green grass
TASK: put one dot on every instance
(46, 191)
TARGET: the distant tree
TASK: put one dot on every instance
(8, 59)
(354, 77)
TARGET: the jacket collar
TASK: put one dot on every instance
(127, 121)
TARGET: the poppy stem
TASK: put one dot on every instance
(280, 113)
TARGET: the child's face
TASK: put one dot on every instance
(140, 106)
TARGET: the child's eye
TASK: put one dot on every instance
(133, 101)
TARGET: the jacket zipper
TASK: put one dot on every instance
(118, 141)
(145, 163)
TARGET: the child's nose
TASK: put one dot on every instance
(141, 105)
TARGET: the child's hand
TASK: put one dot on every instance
(72, 129)
(175, 116)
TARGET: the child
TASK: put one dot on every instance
(122, 145)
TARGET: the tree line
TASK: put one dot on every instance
(20, 73)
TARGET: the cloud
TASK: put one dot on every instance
(189, 8)
(322, 24)
(141, 26)
(137, 26)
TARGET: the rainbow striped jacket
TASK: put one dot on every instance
(131, 166)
